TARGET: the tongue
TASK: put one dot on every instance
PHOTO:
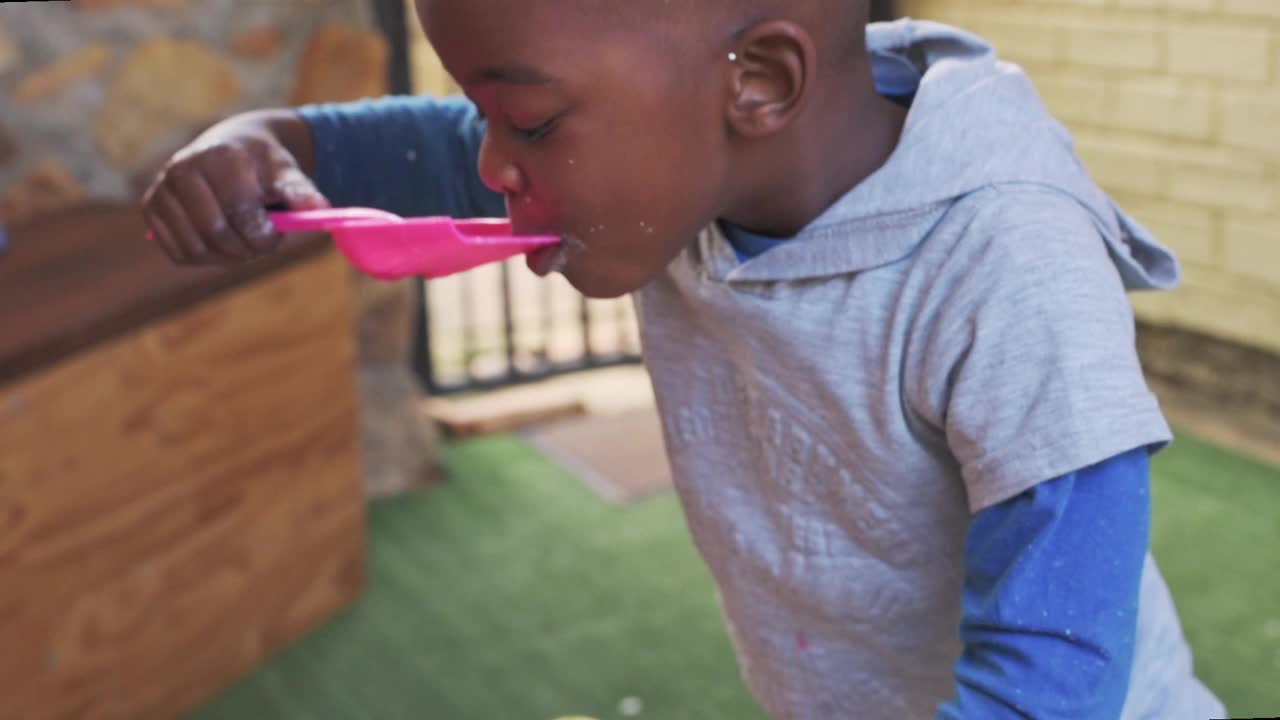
(544, 260)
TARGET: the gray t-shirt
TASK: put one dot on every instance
(952, 332)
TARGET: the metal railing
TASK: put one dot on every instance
(500, 325)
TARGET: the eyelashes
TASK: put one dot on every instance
(527, 135)
(535, 134)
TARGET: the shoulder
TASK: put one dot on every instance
(1024, 352)
(1021, 261)
(1020, 227)
(1020, 253)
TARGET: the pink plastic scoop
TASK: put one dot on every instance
(388, 247)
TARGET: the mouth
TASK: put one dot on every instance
(554, 258)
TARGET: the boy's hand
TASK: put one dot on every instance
(208, 205)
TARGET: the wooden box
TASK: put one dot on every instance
(180, 493)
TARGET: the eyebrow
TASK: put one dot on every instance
(514, 74)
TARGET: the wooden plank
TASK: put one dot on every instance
(180, 502)
(504, 410)
(1218, 389)
(80, 276)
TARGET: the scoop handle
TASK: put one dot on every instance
(292, 221)
(287, 221)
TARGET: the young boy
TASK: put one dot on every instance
(883, 307)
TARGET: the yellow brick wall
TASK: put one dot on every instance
(429, 77)
(1175, 105)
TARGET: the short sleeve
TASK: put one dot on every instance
(410, 155)
(1033, 360)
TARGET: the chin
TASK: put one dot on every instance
(602, 286)
(600, 290)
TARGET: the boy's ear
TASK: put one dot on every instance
(772, 64)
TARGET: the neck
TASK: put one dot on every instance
(845, 136)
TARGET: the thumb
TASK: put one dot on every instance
(293, 188)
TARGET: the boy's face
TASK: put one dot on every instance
(599, 129)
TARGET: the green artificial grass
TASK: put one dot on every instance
(514, 593)
(1216, 538)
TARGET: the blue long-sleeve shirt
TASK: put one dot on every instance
(1050, 601)
(1052, 575)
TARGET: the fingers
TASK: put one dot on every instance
(188, 243)
(179, 217)
(293, 188)
(209, 203)
(286, 184)
(243, 229)
(158, 232)
(207, 207)
(168, 228)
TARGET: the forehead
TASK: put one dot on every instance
(506, 26)
(571, 35)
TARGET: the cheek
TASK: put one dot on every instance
(619, 204)
(640, 177)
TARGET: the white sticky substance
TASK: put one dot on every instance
(630, 706)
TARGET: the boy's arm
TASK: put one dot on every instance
(1050, 600)
(409, 155)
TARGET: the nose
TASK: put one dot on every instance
(497, 171)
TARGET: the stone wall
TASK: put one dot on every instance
(95, 94)
(1175, 105)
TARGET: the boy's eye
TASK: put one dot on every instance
(525, 134)
(534, 134)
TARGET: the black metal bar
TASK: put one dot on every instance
(882, 10)
(420, 354)
(548, 320)
(508, 323)
(392, 18)
(584, 316)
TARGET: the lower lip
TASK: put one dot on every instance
(546, 260)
